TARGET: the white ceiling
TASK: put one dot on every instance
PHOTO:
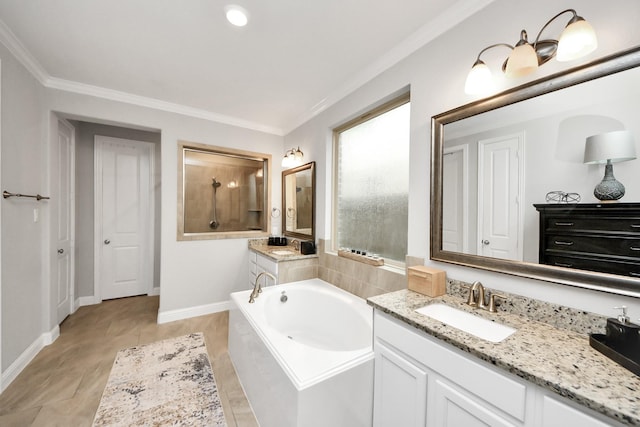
(293, 59)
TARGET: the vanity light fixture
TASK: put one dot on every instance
(236, 15)
(292, 157)
(608, 148)
(577, 40)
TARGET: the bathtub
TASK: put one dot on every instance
(307, 361)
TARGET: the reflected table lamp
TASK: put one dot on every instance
(608, 148)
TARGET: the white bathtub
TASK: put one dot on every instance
(307, 361)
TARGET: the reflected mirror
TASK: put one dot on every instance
(298, 202)
(501, 163)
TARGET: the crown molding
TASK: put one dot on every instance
(451, 17)
(21, 53)
(156, 104)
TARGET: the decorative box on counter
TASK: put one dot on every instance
(427, 281)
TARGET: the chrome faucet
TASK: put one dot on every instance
(477, 299)
(256, 285)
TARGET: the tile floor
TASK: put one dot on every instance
(63, 384)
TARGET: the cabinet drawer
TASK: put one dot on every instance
(621, 224)
(602, 265)
(605, 245)
(506, 394)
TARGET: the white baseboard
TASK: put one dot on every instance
(186, 313)
(90, 300)
(155, 291)
(27, 356)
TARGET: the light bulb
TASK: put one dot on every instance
(479, 80)
(237, 15)
(577, 40)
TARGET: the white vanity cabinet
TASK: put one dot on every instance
(422, 381)
(259, 263)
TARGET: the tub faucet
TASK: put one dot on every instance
(256, 285)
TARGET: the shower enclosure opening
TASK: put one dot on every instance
(223, 192)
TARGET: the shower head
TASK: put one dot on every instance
(215, 183)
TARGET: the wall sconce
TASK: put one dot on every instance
(608, 148)
(292, 157)
(577, 40)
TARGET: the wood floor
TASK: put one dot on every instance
(62, 386)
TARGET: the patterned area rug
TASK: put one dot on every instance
(166, 383)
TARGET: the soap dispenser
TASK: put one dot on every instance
(620, 331)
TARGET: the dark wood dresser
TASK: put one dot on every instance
(603, 237)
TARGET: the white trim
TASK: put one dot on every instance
(148, 237)
(90, 300)
(155, 291)
(27, 356)
(186, 313)
(17, 49)
(452, 16)
(157, 104)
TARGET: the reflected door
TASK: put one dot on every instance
(500, 189)
(454, 200)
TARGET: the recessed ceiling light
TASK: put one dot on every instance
(237, 15)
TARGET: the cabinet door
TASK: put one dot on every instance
(454, 408)
(400, 390)
(558, 414)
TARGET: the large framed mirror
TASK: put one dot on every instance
(298, 201)
(543, 125)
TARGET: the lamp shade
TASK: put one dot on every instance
(522, 61)
(479, 80)
(577, 40)
(616, 146)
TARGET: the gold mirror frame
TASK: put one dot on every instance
(303, 236)
(612, 64)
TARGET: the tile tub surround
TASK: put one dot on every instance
(358, 278)
(554, 358)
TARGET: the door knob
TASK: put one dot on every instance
(60, 251)
(485, 242)
(107, 241)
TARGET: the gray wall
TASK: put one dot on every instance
(23, 170)
(436, 73)
(85, 133)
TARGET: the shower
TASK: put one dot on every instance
(214, 220)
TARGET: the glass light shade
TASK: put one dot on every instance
(616, 146)
(479, 80)
(522, 61)
(237, 15)
(577, 40)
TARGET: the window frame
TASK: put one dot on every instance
(383, 108)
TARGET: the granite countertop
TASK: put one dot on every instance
(277, 252)
(557, 359)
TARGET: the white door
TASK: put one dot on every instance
(500, 189)
(124, 218)
(454, 200)
(63, 219)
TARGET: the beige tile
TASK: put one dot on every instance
(63, 385)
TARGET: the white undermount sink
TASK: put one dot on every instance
(282, 252)
(467, 322)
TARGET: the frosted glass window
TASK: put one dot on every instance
(372, 175)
